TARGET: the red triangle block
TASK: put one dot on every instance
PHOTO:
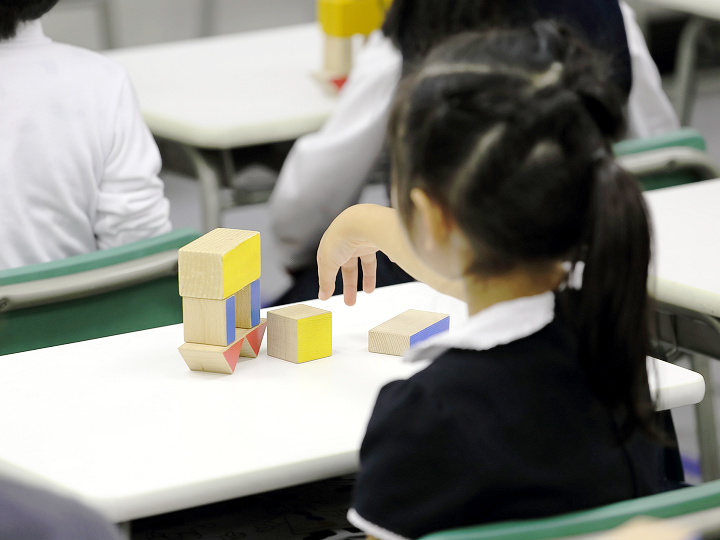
(232, 353)
(252, 339)
(338, 82)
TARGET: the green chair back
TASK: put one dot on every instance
(126, 308)
(664, 505)
(686, 137)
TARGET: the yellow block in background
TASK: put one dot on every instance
(345, 18)
(314, 337)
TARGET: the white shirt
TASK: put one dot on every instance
(78, 166)
(649, 109)
(325, 171)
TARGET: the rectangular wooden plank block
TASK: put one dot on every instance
(247, 313)
(219, 263)
(211, 322)
(299, 333)
(398, 334)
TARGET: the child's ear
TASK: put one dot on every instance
(431, 218)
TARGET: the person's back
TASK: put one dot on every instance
(496, 431)
(78, 166)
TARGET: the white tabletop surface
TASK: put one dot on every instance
(686, 250)
(123, 424)
(705, 8)
(232, 90)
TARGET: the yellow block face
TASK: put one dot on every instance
(314, 337)
(219, 263)
(241, 266)
(345, 18)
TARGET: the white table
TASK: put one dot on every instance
(686, 266)
(230, 91)
(685, 279)
(123, 424)
(702, 13)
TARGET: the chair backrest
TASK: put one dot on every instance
(670, 159)
(107, 292)
(664, 505)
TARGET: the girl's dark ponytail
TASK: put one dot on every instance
(612, 313)
(510, 132)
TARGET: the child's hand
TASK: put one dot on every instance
(340, 248)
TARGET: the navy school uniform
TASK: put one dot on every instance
(501, 425)
(600, 23)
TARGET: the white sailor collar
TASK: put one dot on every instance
(498, 324)
(28, 33)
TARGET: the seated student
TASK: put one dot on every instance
(29, 513)
(539, 404)
(78, 166)
(326, 171)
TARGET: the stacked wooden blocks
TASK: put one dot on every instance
(219, 275)
(400, 333)
(299, 333)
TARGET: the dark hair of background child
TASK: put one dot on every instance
(14, 12)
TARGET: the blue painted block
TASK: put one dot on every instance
(230, 319)
(425, 333)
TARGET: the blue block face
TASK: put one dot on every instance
(438, 327)
(230, 319)
(254, 303)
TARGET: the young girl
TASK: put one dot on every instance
(539, 404)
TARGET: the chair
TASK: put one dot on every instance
(670, 159)
(107, 292)
(667, 160)
(696, 505)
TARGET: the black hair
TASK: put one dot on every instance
(415, 26)
(14, 12)
(510, 131)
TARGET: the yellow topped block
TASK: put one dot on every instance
(345, 18)
(219, 263)
(299, 333)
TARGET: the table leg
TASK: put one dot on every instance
(210, 186)
(686, 68)
(207, 17)
(107, 23)
(705, 418)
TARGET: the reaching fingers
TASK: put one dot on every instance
(369, 268)
(350, 280)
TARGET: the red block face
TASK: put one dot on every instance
(255, 337)
(232, 354)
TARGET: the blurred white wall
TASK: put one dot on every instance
(140, 22)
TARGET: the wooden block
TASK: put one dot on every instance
(201, 357)
(211, 322)
(247, 302)
(252, 339)
(299, 333)
(219, 263)
(400, 333)
(338, 56)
